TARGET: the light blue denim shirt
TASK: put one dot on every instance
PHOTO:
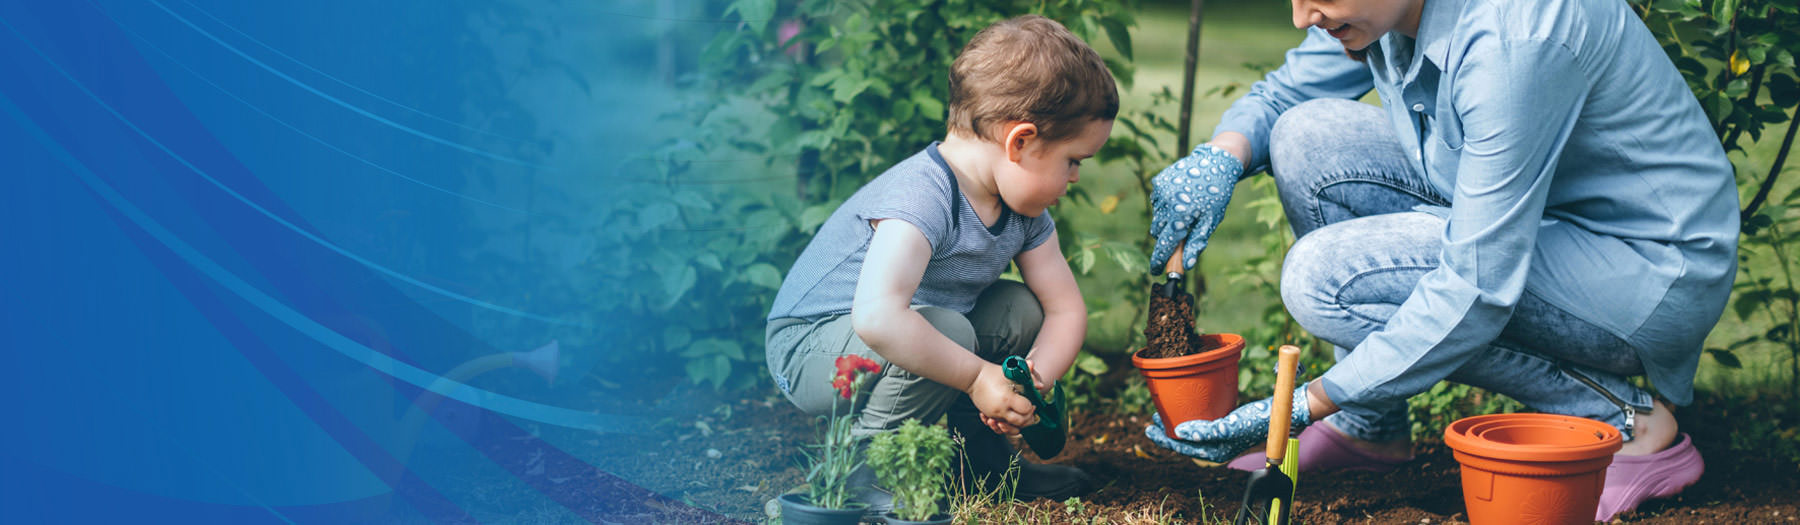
(1578, 166)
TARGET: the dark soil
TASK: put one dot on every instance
(755, 455)
(1170, 330)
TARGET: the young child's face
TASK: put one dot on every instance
(1045, 170)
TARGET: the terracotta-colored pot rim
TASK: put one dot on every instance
(1469, 436)
(1229, 347)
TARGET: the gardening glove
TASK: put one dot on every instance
(1222, 439)
(1188, 202)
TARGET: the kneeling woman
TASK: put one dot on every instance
(1539, 208)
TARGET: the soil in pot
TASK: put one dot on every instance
(1170, 329)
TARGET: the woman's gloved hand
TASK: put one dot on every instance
(1222, 439)
(1189, 200)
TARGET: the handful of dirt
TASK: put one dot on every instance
(1170, 329)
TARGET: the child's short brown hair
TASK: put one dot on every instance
(1029, 69)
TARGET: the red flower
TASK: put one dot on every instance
(850, 369)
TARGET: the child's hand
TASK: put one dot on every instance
(1037, 380)
(1002, 408)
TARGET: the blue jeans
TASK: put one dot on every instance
(1369, 227)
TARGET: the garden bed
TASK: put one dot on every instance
(755, 452)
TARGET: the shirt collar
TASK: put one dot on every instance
(1437, 23)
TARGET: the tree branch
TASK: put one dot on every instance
(1762, 193)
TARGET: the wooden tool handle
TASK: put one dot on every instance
(1282, 408)
(1174, 265)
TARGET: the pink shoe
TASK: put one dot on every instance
(1632, 480)
(1323, 449)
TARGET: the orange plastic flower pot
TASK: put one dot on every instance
(1532, 468)
(1198, 386)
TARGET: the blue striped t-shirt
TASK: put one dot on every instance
(966, 256)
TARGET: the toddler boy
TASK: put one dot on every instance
(907, 271)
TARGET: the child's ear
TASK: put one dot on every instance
(1019, 135)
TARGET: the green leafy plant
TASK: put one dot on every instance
(1134, 397)
(913, 463)
(1447, 402)
(781, 129)
(1738, 58)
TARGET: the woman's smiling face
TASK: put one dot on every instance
(1358, 23)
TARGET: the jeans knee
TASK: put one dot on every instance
(1300, 277)
(1019, 302)
(953, 325)
(1305, 129)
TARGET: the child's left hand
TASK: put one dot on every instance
(1043, 386)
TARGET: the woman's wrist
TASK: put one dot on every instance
(1235, 144)
(1318, 404)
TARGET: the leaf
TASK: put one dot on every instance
(1783, 90)
(676, 283)
(715, 347)
(1718, 106)
(698, 371)
(656, 215)
(929, 106)
(755, 13)
(721, 370)
(815, 215)
(1737, 88)
(1748, 301)
(1793, 197)
(1725, 358)
(693, 200)
(1724, 12)
(1121, 70)
(1129, 259)
(710, 261)
(764, 275)
(1118, 35)
(1091, 364)
(846, 88)
(1084, 261)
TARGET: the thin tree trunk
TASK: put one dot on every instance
(1768, 183)
(1189, 64)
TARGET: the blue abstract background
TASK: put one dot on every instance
(260, 257)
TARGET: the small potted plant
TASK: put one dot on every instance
(913, 463)
(827, 497)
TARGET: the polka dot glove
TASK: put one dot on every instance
(1221, 440)
(1188, 202)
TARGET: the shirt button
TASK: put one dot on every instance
(1418, 107)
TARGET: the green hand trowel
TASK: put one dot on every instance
(1046, 437)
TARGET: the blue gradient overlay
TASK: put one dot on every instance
(246, 240)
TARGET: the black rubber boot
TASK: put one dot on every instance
(988, 458)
